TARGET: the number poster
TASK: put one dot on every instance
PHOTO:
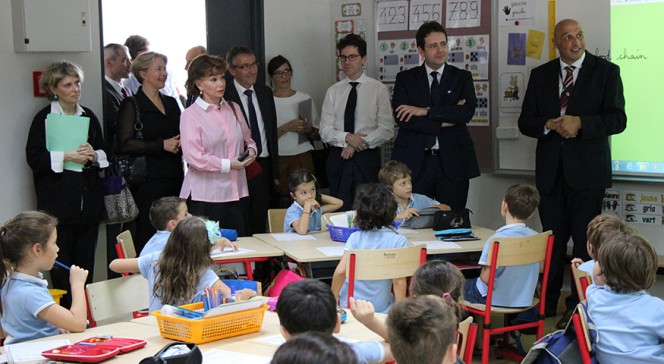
(463, 13)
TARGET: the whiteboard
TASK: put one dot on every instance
(514, 151)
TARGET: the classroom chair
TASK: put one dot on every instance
(582, 280)
(114, 297)
(583, 337)
(466, 343)
(275, 220)
(377, 264)
(125, 245)
(511, 252)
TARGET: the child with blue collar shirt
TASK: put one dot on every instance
(28, 247)
(601, 229)
(398, 178)
(305, 213)
(630, 322)
(165, 214)
(309, 306)
(513, 286)
(375, 207)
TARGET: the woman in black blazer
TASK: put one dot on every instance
(160, 116)
(73, 196)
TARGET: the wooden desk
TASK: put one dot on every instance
(261, 251)
(255, 344)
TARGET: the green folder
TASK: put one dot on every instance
(66, 132)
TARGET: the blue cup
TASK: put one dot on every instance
(230, 234)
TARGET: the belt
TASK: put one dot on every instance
(431, 151)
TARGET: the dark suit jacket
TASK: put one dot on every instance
(597, 97)
(269, 113)
(72, 197)
(457, 154)
(112, 101)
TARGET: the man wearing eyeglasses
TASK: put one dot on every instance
(356, 120)
(261, 116)
(432, 104)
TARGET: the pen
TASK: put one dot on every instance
(62, 265)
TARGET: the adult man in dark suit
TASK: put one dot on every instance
(117, 63)
(244, 90)
(572, 105)
(432, 104)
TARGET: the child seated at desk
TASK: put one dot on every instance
(315, 347)
(601, 229)
(423, 329)
(27, 247)
(375, 209)
(165, 214)
(629, 321)
(308, 305)
(398, 178)
(180, 273)
(305, 213)
(439, 278)
(513, 286)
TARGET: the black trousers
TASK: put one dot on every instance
(433, 182)
(261, 190)
(152, 189)
(77, 245)
(231, 215)
(345, 175)
(567, 212)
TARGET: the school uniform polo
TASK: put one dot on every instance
(368, 351)
(379, 291)
(148, 267)
(156, 243)
(294, 213)
(513, 286)
(630, 325)
(23, 298)
(418, 202)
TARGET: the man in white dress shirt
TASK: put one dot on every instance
(356, 120)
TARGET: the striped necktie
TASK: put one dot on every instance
(568, 83)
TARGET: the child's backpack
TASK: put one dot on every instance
(562, 346)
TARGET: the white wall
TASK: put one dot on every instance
(19, 106)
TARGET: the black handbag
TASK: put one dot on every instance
(192, 356)
(133, 168)
(119, 202)
(443, 220)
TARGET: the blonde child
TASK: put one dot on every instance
(630, 321)
(398, 178)
(308, 206)
(375, 210)
(180, 273)
(601, 229)
(27, 247)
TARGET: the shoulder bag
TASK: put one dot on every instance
(133, 168)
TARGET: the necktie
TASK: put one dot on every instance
(124, 92)
(253, 122)
(435, 90)
(349, 113)
(568, 83)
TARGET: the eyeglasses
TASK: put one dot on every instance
(285, 73)
(247, 66)
(350, 58)
(442, 44)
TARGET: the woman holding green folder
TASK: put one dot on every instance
(65, 161)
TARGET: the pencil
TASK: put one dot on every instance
(62, 265)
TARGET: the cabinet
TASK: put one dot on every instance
(51, 26)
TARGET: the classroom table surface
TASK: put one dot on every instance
(317, 246)
(250, 247)
(263, 343)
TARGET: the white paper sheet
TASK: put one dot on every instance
(225, 356)
(25, 352)
(332, 251)
(229, 253)
(291, 237)
(404, 231)
(274, 340)
(437, 244)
